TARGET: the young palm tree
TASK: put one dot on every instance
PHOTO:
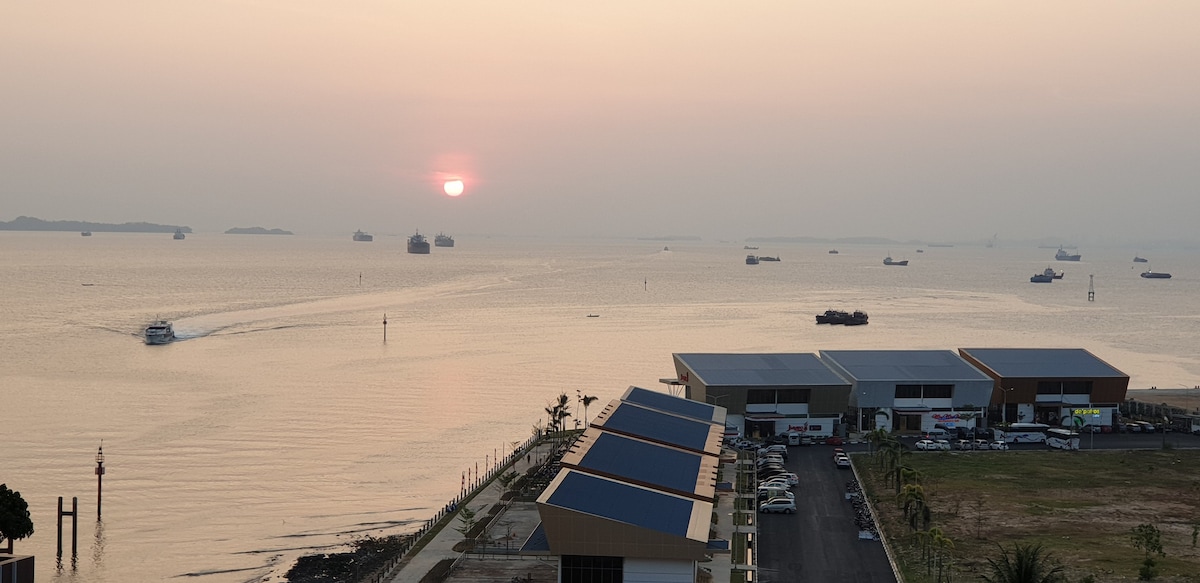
(1024, 564)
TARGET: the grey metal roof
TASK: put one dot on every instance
(1043, 363)
(759, 370)
(654, 425)
(904, 365)
(623, 502)
(646, 463)
(676, 405)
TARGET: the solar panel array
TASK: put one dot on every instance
(623, 502)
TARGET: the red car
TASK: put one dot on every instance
(834, 440)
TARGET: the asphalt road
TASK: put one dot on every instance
(820, 541)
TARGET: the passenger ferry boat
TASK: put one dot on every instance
(160, 332)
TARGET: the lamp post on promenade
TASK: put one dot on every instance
(1004, 411)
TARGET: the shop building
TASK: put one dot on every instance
(912, 390)
(766, 394)
(1055, 386)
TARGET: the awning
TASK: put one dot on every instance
(763, 417)
(911, 410)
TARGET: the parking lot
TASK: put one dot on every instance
(820, 541)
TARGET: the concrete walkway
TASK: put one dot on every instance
(441, 546)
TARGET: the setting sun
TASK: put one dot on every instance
(453, 187)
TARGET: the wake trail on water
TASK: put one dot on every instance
(318, 313)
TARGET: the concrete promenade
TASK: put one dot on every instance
(445, 537)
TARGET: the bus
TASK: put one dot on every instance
(1022, 433)
(1061, 438)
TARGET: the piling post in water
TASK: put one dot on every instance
(1091, 288)
(385, 328)
(73, 513)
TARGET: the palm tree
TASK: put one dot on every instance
(586, 400)
(1024, 564)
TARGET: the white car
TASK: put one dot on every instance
(964, 444)
(842, 462)
(777, 483)
(942, 444)
(982, 444)
(999, 445)
(926, 444)
(784, 505)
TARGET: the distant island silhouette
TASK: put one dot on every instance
(35, 224)
(256, 231)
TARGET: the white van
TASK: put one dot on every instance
(936, 433)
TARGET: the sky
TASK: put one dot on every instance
(925, 120)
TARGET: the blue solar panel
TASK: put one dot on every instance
(623, 503)
(658, 426)
(646, 463)
(671, 404)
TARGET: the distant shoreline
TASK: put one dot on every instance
(36, 224)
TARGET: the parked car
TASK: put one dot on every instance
(942, 444)
(982, 444)
(926, 444)
(999, 445)
(781, 481)
(785, 505)
(833, 440)
(789, 478)
(964, 444)
(765, 494)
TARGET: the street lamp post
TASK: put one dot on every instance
(1004, 411)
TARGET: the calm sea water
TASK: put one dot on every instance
(282, 423)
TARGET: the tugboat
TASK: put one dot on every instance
(858, 318)
(178, 236)
(85, 234)
(418, 244)
(889, 261)
(833, 317)
(443, 240)
(751, 260)
(361, 236)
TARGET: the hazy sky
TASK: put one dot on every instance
(913, 119)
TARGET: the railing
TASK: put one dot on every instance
(432, 526)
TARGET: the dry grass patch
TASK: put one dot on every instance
(1079, 505)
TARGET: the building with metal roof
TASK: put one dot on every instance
(766, 394)
(1056, 386)
(635, 496)
(912, 390)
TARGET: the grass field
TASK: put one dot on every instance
(1080, 505)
